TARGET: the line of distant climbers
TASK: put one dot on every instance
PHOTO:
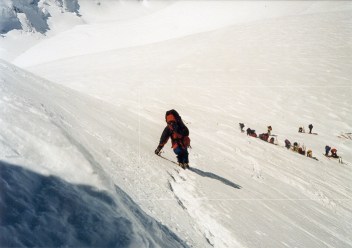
(296, 147)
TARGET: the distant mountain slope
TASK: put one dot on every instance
(26, 23)
(44, 15)
(32, 15)
(175, 20)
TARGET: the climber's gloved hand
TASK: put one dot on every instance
(158, 150)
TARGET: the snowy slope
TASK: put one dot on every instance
(240, 191)
(54, 191)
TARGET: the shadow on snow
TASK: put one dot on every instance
(216, 177)
(207, 174)
(46, 211)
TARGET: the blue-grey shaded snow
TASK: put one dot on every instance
(46, 211)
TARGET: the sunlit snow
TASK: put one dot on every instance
(82, 110)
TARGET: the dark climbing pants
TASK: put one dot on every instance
(182, 155)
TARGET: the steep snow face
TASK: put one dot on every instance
(26, 119)
(54, 191)
(47, 211)
(285, 71)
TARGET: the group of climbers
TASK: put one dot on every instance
(299, 149)
(262, 136)
(179, 134)
(296, 147)
(333, 152)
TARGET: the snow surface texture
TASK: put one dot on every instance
(38, 209)
(284, 64)
(45, 211)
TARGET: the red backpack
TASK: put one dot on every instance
(186, 141)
